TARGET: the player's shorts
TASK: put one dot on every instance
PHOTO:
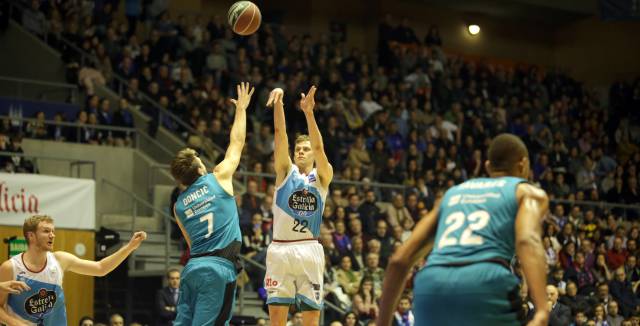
(478, 294)
(295, 274)
(207, 292)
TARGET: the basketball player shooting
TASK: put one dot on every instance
(474, 231)
(295, 259)
(41, 300)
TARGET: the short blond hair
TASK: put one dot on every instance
(302, 138)
(185, 168)
(31, 224)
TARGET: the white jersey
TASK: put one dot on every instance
(44, 303)
(298, 205)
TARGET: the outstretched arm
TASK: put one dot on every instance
(282, 162)
(325, 170)
(103, 267)
(224, 171)
(408, 254)
(6, 275)
(534, 205)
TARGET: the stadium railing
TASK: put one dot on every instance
(20, 89)
(74, 165)
(135, 135)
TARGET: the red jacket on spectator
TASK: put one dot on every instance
(616, 258)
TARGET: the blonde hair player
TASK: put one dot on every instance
(295, 259)
(43, 270)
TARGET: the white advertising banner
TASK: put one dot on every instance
(71, 202)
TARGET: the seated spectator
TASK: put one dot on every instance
(351, 319)
(397, 212)
(617, 255)
(404, 314)
(613, 316)
(601, 270)
(365, 300)
(348, 279)
(581, 275)
(573, 300)
(341, 239)
(374, 272)
(622, 292)
(560, 314)
(37, 129)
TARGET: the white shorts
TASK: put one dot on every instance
(295, 271)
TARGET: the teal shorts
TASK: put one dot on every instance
(482, 293)
(207, 292)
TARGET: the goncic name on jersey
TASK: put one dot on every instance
(195, 195)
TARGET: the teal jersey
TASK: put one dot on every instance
(476, 222)
(209, 216)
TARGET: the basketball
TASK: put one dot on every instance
(244, 18)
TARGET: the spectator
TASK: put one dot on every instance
(573, 300)
(341, 239)
(385, 240)
(616, 256)
(357, 254)
(404, 315)
(167, 299)
(622, 292)
(116, 320)
(348, 279)
(86, 321)
(559, 314)
(373, 272)
(581, 275)
(613, 317)
(33, 19)
(397, 212)
(364, 301)
(351, 319)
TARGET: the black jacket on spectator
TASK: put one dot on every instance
(575, 303)
(623, 293)
(369, 215)
(560, 315)
(164, 298)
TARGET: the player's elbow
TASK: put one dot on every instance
(398, 261)
(528, 240)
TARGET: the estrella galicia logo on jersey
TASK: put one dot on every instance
(303, 202)
(41, 302)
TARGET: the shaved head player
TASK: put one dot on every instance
(472, 234)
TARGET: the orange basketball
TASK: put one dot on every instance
(244, 17)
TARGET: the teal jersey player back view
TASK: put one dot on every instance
(469, 264)
(476, 222)
(209, 218)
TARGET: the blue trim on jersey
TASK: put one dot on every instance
(289, 301)
(309, 302)
(40, 295)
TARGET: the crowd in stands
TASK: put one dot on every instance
(415, 117)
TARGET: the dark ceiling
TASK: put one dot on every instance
(548, 12)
